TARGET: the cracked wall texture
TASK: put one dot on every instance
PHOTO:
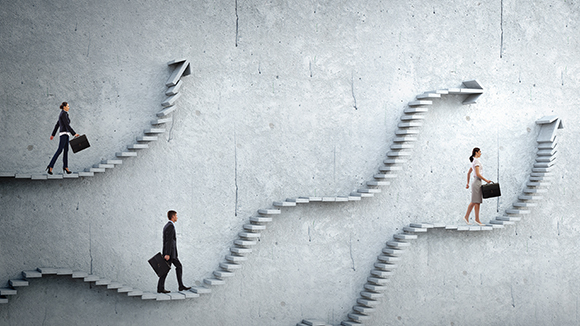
(288, 98)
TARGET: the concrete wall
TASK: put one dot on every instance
(286, 99)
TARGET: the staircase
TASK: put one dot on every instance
(181, 68)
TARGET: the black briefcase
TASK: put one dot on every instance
(79, 143)
(159, 264)
(490, 190)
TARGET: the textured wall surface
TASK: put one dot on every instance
(288, 98)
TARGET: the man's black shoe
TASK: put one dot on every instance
(184, 288)
(163, 291)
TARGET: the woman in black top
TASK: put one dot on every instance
(65, 131)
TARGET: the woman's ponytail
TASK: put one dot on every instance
(63, 105)
(473, 152)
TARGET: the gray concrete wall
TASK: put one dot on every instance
(286, 99)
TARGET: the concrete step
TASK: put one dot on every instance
(552, 158)
(230, 266)
(420, 103)
(254, 227)
(421, 225)
(405, 139)
(542, 170)
(369, 191)
(135, 293)
(397, 146)
(200, 290)
(544, 164)
(300, 200)
(161, 121)
(378, 280)
(269, 211)
(23, 176)
(393, 252)
(385, 266)
(524, 204)
(405, 236)
(358, 317)
(162, 297)
(114, 286)
(7, 291)
(235, 259)
(95, 170)
(530, 197)
(91, 278)
(411, 117)
(428, 96)
(147, 138)
(39, 177)
(391, 168)
(170, 101)
(547, 152)
(64, 271)
(148, 296)
(125, 289)
(501, 222)
(398, 154)
(31, 274)
(213, 281)
(377, 183)
(351, 323)
(244, 243)
(126, 154)
(284, 204)
(533, 178)
(388, 259)
(362, 195)
(508, 218)
(517, 211)
(375, 288)
(137, 146)
(367, 302)
(18, 283)
(410, 124)
(407, 131)
(382, 176)
(371, 295)
(166, 111)
(240, 251)
(249, 235)
(154, 131)
(103, 166)
(381, 274)
(260, 219)
(189, 295)
(102, 282)
(398, 244)
(396, 160)
(47, 270)
(313, 322)
(413, 229)
(174, 89)
(176, 296)
(534, 190)
(538, 184)
(223, 274)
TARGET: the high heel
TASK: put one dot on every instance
(67, 170)
(49, 170)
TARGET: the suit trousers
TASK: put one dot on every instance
(62, 146)
(178, 271)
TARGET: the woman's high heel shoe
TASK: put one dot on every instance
(67, 170)
(49, 170)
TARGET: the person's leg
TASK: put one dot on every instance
(476, 208)
(178, 272)
(64, 140)
(58, 151)
(469, 208)
(161, 283)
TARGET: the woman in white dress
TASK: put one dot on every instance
(476, 196)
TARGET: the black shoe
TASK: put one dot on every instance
(163, 291)
(67, 170)
(184, 288)
(49, 170)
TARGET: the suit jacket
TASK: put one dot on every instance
(64, 123)
(169, 240)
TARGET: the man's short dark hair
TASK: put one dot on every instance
(171, 214)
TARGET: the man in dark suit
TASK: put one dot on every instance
(170, 253)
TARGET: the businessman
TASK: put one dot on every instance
(170, 254)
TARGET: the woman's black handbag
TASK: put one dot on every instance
(490, 190)
(79, 143)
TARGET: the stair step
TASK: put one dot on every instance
(166, 111)
(103, 282)
(235, 259)
(47, 270)
(230, 267)
(385, 266)
(135, 293)
(91, 278)
(95, 170)
(254, 227)
(501, 222)
(397, 146)
(249, 235)
(170, 101)
(381, 274)
(524, 204)
(103, 166)
(421, 225)
(530, 197)
(200, 290)
(300, 200)
(154, 131)
(124, 289)
(378, 280)
(161, 121)
(126, 154)
(31, 274)
(138, 146)
(398, 244)
(420, 103)
(114, 286)
(162, 297)
(508, 218)
(284, 204)
(377, 183)
(369, 191)
(405, 236)
(240, 251)
(537, 184)
(367, 302)
(313, 322)
(176, 296)
(371, 295)
(411, 124)
(174, 89)
(428, 95)
(393, 252)
(260, 219)
(407, 131)
(405, 139)
(269, 211)
(398, 153)
(517, 211)
(7, 291)
(147, 138)
(223, 274)
(375, 288)
(351, 323)
(388, 259)
(396, 160)
(382, 176)
(213, 281)
(412, 229)
(410, 117)
(534, 190)
(362, 194)
(391, 168)
(18, 283)
(244, 243)
(417, 109)
(189, 295)
(148, 296)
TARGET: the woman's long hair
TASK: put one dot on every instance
(475, 150)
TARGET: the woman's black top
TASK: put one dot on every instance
(64, 124)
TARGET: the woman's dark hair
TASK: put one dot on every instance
(63, 105)
(475, 150)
